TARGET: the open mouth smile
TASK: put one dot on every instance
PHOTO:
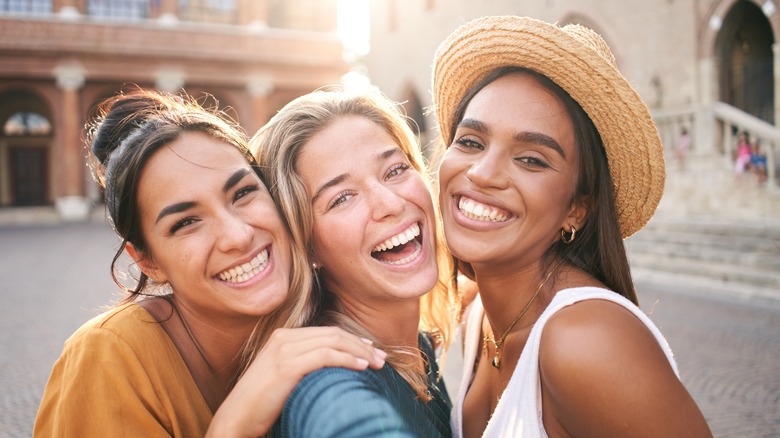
(401, 248)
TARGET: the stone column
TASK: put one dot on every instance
(169, 79)
(259, 89)
(704, 126)
(70, 164)
(68, 9)
(776, 68)
(253, 13)
(167, 13)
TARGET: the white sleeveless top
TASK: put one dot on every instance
(519, 410)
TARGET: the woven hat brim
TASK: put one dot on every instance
(633, 146)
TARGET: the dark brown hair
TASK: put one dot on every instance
(128, 130)
(598, 248)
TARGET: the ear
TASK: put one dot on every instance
(146, 264)
(578, 212)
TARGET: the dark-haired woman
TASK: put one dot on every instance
(217, 264)
(552, 159)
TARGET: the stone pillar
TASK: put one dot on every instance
(68, 9)
(704, 126)
(167, 12)
(253, 13)
(169, 79)
(259, 89)
(70, 199)
(776, 68)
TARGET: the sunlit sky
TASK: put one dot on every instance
(353, 25)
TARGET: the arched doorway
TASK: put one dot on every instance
(25, 145)
(744, 51)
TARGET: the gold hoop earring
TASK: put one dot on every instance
(571, 236)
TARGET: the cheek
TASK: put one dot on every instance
(330, 236)
(453, 165)
(548, 195)
(419, 194)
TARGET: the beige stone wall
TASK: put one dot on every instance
(664, 47)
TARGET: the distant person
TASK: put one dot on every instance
(758, 162)
(744, 150)
(216, 263)
(682, 148)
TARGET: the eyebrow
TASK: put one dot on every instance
(474, 124)
(540, 139)
(345, 176)
(522, 137)
(178, 207)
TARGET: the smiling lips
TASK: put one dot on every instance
(401, 248)
(242, 273)
(481, 212)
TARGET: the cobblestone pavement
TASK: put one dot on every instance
(55, 277)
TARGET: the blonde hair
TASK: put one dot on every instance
(277, 147)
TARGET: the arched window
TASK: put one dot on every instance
(209, 11)
(33, 7)
(27, 123)
(119, 10)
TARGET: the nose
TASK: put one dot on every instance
(234, 233)
(385, 201)
(489, 170)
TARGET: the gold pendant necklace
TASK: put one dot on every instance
(496, 362)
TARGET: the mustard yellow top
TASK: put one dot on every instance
(121, 375)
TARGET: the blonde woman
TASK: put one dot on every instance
(350, 180)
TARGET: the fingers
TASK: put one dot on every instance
(287, 357)
(293, 353)
(321, 344)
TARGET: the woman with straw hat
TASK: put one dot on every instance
(552, 159)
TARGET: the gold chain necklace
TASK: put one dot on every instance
(498, 343)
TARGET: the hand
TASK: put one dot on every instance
(256, 401)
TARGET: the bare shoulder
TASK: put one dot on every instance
(603, 372)
(597, 329)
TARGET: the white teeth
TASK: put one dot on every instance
(481, 212)
(242, 273)
(408, 258)
(399, 239)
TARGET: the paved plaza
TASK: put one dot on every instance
(56, 276)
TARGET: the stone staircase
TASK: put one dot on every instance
(713, 231)
(734, 257)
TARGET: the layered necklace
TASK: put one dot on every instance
(496, 362)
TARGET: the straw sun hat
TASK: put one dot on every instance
(579, 61)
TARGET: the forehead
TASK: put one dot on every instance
(198, 150)
(520, 92)
(347, 141)
(517, 103)
(188, 164)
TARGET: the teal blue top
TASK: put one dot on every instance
(337, 402)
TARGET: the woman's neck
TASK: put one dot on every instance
(393, 323)
(505, 295)
(209, 349)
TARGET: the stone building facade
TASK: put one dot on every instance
(58, 58)
(680, 55)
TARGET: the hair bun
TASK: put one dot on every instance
(118, 117)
